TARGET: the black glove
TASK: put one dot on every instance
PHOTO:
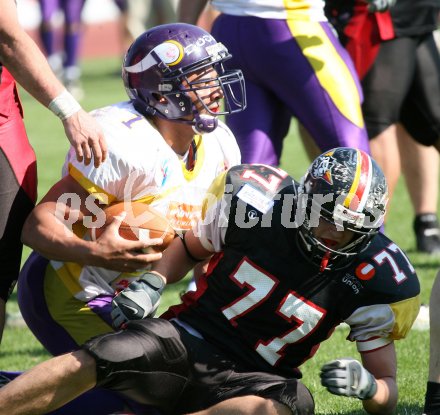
(138, 301)
(379, 5)
(4, 380)
(348, 377)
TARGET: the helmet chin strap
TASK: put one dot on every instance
(324, 261)
(201, 124)
(204, 123)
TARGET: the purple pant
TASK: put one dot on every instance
(57, 340)
(71, 8)
(31, 299)
(72, 18)
(96, 401)
(294, 69)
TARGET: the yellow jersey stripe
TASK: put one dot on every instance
(326, 62)
(200, 159)
(72, 314)
(214, 193)
(92, 188)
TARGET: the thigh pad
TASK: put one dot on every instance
(146, 362)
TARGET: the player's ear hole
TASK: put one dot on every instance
(160, 98)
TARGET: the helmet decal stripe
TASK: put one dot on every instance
(142, 65)
(169, 52)
(354, 185)
(367, 180)
(360, 187)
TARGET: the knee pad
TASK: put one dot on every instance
(298, 398)
(305, 404)
(146, 362)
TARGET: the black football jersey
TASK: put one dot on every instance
(407, 17)
(412, 17)
(265, 304)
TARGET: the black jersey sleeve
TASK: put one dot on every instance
(254, 185)
(390, 296)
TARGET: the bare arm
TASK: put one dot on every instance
(48, 230)
(175, 262)
(189, 11)
(49, 385)
(373, 381)
(22, 57)
(382, 364)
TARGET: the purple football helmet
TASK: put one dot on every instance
(158, 63)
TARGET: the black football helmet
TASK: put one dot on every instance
(346, 187)
(158, 63)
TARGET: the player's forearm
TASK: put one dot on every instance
(174, 264)
(53, 239)
(23, 59)
(49, 385)
(385, 400)
(189, 11)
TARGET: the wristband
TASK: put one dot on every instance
(153, 280)
(64, 105)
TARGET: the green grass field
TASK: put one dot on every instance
(20, 350)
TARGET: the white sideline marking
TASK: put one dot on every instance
(422, 320)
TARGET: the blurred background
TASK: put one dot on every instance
(101, 30)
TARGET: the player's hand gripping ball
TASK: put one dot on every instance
(142, 222)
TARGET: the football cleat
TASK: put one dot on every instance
(427, 230)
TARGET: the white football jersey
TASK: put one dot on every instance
(142, 166)
(310, 10)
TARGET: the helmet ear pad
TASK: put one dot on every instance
(314, 250)
(172, 106)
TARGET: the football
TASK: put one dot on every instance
(142, 222)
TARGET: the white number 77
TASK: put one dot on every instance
(295, 309)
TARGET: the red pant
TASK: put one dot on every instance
(18, 182)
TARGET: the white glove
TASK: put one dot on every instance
(138, 301)
(348, 377)
(379, 5)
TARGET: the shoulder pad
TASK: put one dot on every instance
(384, 268)
(266, 179)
